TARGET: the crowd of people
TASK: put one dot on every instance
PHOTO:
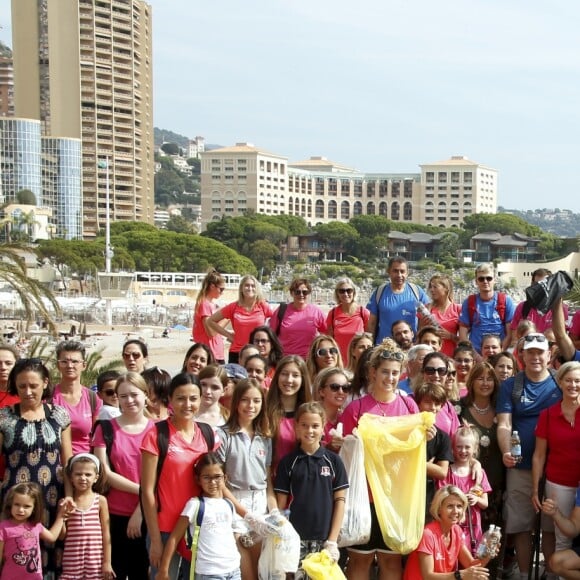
(104, 482)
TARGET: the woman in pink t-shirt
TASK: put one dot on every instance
(212, 288)
(248, 312)
(298, 322)
(347, 318)
(385, 366)
(122, 463)
(81, 403)
(444, 313)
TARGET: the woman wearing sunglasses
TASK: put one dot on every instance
(434, 370)
(384, 399)
(135, 355)
(299, 322)
(348, 317)
(332, 388)
(323, 354)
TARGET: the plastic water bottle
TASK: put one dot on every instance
(424, 314)
(489, 545)
(516, 449)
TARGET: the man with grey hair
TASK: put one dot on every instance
(415, 357)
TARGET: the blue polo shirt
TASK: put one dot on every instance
(534, 399)
(311, 481)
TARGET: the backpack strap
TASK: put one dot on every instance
(471, 308)
(108, 435)
(500, 305)
(92, 401)
(414, 290)
(208, 434)
(162, 428)
(280, 316)
(518, 387)
(192, 539)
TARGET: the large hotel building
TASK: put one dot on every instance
(83, 69)
(243, 177)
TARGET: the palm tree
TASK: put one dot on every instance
(32, 293)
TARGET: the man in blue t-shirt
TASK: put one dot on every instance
(397, 300)
(539, 391)
(485, 318)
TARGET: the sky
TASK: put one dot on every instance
(380, 85)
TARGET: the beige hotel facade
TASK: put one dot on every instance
(243, 177)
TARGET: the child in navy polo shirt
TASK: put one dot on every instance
(315, 479)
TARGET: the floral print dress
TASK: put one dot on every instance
(32, 453)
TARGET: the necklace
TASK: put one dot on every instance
(480, 410)
(380, 404)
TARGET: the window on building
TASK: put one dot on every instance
(395, 211)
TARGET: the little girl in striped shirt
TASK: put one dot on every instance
(87, 543)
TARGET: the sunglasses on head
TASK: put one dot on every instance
(392, 355)
(301, 292)
(484, 278)
(324, 351)
(345, 290)
(441, 371)
(335, 387)
(534, 338)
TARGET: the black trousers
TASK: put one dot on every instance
(129, 556)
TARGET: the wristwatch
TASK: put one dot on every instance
(457, 575)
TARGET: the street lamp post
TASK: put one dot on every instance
(104, 164)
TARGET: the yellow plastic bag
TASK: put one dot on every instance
(395, 465)
(320, 566)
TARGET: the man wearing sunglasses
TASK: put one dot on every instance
(395, 300)
(520, 401)
(486, 312)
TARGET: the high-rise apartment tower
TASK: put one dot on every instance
(84, 69)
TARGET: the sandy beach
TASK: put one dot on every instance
(166, 353)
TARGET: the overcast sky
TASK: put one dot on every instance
(380, 85)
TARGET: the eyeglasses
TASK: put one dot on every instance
(484, 278)
(335, 387)
(441, 371)
(70, 361)
(392, 355)
(109, 392)
(535, 337)
(324, 351)
(212, 478)
(345, 290)
(301, 292)
(464, 361)
(133, 355)
(261, 340)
